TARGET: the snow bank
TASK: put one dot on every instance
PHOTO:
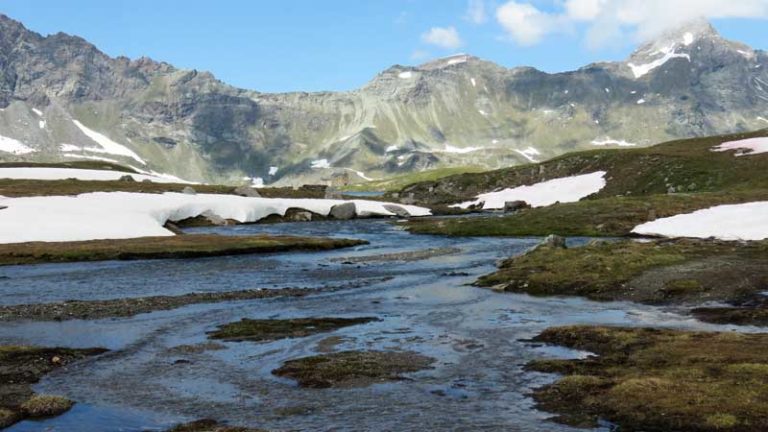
(405, 75)
(566, 189)
(80, 174)
(120, 215)
(747, 147)
(12, 146)
(727, 222)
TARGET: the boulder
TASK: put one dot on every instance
(396, 209)
(3, 207)
(343, 211)
(189, 191)
(247, 191)
(513, 206)
(554, 241)
(214, 219)
(126, 178)
(301, 216)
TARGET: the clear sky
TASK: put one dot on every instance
(287, 45)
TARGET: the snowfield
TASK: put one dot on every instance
(726, 222)
(565, 189)
(747, 147)
(121, 215)
(15, 147)
(30, 173)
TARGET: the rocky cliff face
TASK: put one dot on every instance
(63, 99)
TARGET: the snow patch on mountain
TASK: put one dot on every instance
(458, 150)
(668, 53)
(688, 39)
(320, 164)
(610, 142)
(273, 170)
(530, 153)
(564, 189)
(726, 222)
(37, 111)
(107, 145)
(32, 173)
(14, 147)
(360, 174)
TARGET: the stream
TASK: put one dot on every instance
(425, 305)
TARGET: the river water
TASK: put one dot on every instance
(425, 306)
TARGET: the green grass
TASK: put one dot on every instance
(180, 246)
(658, 380)
(92, 165)
(398, 182)
(22, 188)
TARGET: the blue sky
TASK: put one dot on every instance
(308, 45)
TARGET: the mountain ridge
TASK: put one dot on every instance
(453, 111)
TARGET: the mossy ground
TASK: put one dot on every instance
(683, 271)
(352, 368)
(23, 366)
(613, 270)
(273, 329)
(658, 380)
(180, 246)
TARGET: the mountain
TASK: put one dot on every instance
(63, 99)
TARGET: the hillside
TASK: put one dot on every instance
(62, 99)
(681, 166)
(641, 185)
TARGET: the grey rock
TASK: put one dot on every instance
(396, 209)
(554, 241)
(126, 178)
(214, 219)
(513, 206)
(188, 190)
(247, 191)
(301, 216)
(344, 211)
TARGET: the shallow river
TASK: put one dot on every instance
(425, 306)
